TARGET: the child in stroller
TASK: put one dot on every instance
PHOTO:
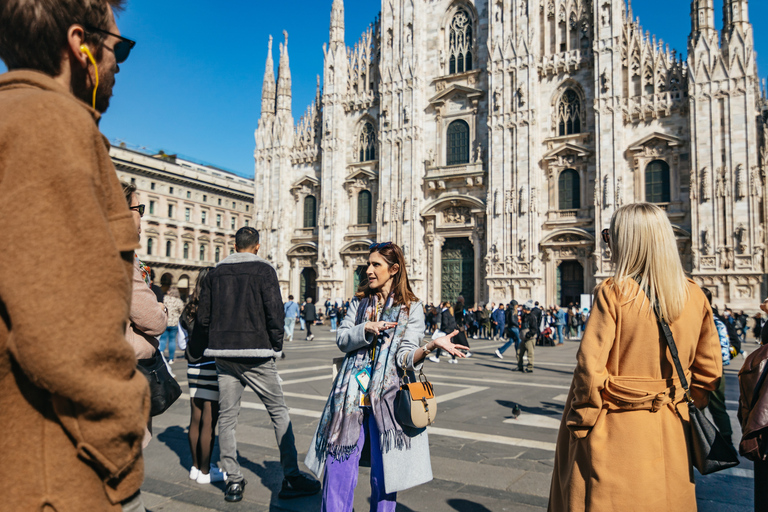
(546, 338)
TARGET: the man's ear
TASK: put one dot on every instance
(75, 39)
(256, 248)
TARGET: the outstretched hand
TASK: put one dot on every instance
(445, 343)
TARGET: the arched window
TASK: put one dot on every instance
(367, 143)
(150, 245)
(458, 143)
(364, 207)
(569, 189)
(657, 182)
(186, 250)
(202, 253)
(460, 43)
(569, 113)
(218, 255)
(168, 249)
(310, 212)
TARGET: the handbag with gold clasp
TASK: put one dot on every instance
(415, 403)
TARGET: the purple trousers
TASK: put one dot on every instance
(340, 477)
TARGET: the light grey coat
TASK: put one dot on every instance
(404, 468)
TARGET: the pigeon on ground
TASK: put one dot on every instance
(516, 411)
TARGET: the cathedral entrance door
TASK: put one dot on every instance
(458, 271)
(308, 286)
(360, 276)
(570, 282)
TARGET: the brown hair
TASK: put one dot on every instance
(401, 287)
(33, 33)
(128, 190)
(190, 310)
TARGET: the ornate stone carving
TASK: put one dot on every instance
(706, 185)
(607, 191)
(523, 246)
(741, 182)
(707, 238)
(406, 211)
(756, 184)
(457, 215)
(741, 238)
(510, 201)
(385, 207)
(534, 205)
(497, 205)
(619, 191)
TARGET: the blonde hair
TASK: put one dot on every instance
(643, 248)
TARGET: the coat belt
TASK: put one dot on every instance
(619, 395)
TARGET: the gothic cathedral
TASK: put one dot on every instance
(493, 139)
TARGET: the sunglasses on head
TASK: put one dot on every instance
(138, 208)
(380, 245)
(606, 235)
(121, 49)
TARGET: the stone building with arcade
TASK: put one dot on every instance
(493, 140)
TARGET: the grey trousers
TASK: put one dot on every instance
(261, 378)
(134, 504)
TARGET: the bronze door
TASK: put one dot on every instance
(458, 271)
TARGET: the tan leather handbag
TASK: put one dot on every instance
(415, 403)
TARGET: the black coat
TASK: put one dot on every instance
(242, 308)
(310, 314)
(447, 322)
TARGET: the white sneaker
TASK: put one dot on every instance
(203, 479)
(468, 354)
(453, 361)
(434, 359)
(193, 473)
(498, 354)
(474, 337)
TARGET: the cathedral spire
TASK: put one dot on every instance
(337, 24)
(702, 20)
(268, 88)
(735, 14)
(284, 79)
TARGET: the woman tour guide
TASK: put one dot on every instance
(380, 335)
(622, 443)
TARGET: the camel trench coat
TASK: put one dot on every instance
(622, 443)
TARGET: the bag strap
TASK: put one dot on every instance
(759, 385)
(675, 357)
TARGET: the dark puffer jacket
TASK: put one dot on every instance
(242, 308)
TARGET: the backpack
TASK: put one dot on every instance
(574, 321)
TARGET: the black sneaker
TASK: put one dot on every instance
(234, 491)
(298, 486)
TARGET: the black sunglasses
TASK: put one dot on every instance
(606, 235)
(139, 208)
(380, 245)
(122, 48)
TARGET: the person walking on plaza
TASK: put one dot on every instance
(753, 416)
(203, 392)
(447, 325)
(512, 324)
(333, 314)
(484, 320)
(529, 333)
(310, 315)
(381, 336)
(291, 310)
(73, 409)
(174, 306)
(561, 318)
(716, 404)
(622, 443)
(242, 310)
(498, 319)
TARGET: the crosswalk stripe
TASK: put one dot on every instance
(497, 381)
(535, 420)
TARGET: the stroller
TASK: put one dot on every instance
(546, 338)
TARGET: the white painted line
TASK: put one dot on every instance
(306, 396)
(732, 402)
(328, 377)
(741, 472)
(489, 438)
(458, 394)
(560, 398)
(535, 420)
(506, 382)
(309, 369)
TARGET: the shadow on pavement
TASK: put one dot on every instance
(271, 475)
(549, 408)
(176, 439)
(467, 506)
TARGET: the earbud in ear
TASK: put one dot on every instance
(87, 51)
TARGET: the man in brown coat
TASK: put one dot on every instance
(72, 406)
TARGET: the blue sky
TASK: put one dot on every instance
(192, 85)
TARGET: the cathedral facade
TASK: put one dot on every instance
(494, 139)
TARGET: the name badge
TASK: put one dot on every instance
(363, 378)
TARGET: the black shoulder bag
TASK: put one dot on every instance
(709, 451)
(163, 388)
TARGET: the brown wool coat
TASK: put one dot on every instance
(72, 406)
(614, 453)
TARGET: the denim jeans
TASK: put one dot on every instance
(303, 323)
(514, 338)
(333, 323)
(559, 329)
(290, 324)
(341, 476)
(169, 337)
(261, 378)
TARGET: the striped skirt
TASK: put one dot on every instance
(203, 381)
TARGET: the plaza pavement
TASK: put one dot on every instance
(482, 458)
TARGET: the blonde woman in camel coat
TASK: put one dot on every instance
(622, 443)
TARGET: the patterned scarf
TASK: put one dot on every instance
(145, 271)
(339, 428)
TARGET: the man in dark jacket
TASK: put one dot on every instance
(242, 309)
(310, 315)
(529, 332)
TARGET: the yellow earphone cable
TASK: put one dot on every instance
(85, 49)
